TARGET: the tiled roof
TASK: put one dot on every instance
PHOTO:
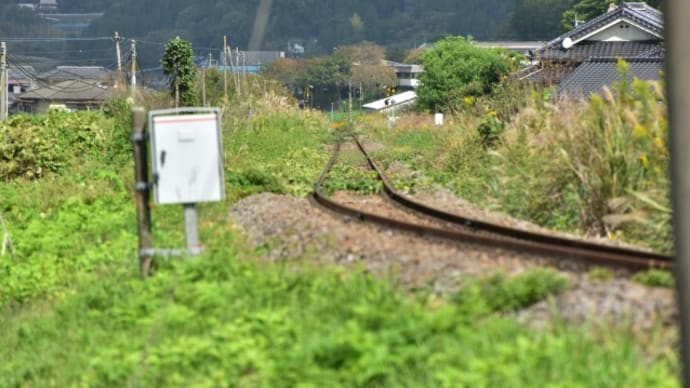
(637, 12)
(64, 73)
(592, 75)
(589, 49)
(23, 73)
(72, 90)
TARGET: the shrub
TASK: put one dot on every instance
(455, 68)
(32, 146)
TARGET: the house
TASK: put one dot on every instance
(75, 94)
(632, 31)
(19, 79)
(408, 75)
(85, 73)
(66, 87)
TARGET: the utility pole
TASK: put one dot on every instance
(120, 82)
(237, 66)
(117, 38)
(134, 69)
(244, 67)
(203, 82)
(3, 81)
(225, 66)
(349, 100)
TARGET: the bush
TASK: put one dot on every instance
(454, 68)
(32, 146)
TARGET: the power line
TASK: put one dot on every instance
(96, 38)
(79, 51)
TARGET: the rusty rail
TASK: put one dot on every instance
(495, 235)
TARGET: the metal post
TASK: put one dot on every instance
(142, 190)
(3, 81)
(677, 30)
(191, 230)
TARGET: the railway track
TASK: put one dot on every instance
(478, 231)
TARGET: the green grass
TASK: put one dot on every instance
(599, 273)
(343, 116)
(279, 153)
(220, 320)
(655, 278)
(500, 293)
(73, 311)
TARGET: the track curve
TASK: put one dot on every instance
(485, 232)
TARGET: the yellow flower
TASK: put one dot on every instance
(644, 160)
(639, 131)
(659, 142)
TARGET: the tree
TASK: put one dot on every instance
(287, 71)
(368, 68)
(455, 68)
(178, 65)
(537, 19)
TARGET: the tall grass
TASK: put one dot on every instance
(602, 161)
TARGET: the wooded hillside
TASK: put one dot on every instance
(317, 25)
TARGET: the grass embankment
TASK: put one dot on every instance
(75, 313)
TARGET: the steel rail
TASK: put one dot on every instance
(500, 229)
(507, 237)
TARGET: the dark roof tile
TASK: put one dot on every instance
(591, 76)
(592, 49)
(64, 73)
(72, 90)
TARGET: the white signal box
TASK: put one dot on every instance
(186, 155)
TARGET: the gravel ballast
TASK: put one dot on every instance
(299, 229)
